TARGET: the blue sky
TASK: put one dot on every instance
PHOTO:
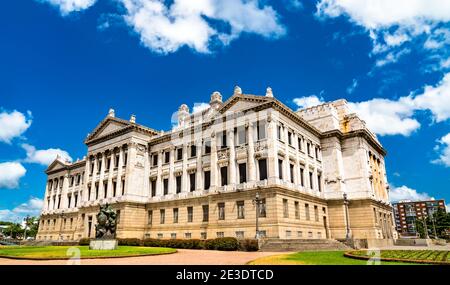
(64, 63)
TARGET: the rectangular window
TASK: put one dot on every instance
(188, 235)
(149, 217)
(308, 148)
(166, 186)
(175, 215)
(307, 212)
(76, 200)
(205, 213)
(288, 234)
(190, 214)
(299, 234)
(319, 182)
(220, 234)
(316, 213)
(108, 163)
(193, 150)
(116, 161)
(285, 208)
(180, 153)
(280, 169)
(207, 147)
(123, 187)
(297, 210)
(125, 158)
(203, 235)
(96, 191)
(69, 198)
(105, 189)
(262, 165)
(317, 152)
(261, 130)
(223, 139)
(311, 185)
(240, 234)
(155, 159)
(302, 180)
(162, 216)
(167, 156)
(114, 188)
(207, 181)
(118, 216)
(224, 176)
(160, 235)
(279, 132)
(240, 209)
(178, 184)
(262, 208)
(153, 186)
(192, 182)
(221, 210)
(291, 172)
(242, 172)
(289, 138)
(173, 235)
(299, 143)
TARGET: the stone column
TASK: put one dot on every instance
(272, 145)
(184, 174)
(232, 158)
(297, 159)
(172, 185)
(101, 188)
(110, 175)
(213, 161)
(251, 153)
(47, 192)
(286, 162)
(198, 174)
(159, 188)
(119, 185)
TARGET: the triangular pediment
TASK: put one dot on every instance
(108, 126)
(56, 165)
(242, 102)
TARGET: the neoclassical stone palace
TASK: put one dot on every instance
(319, 173)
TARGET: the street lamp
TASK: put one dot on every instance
(432, 220)
(257, 202)
(347, 234)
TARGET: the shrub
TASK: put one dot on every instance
(129, 241)
(84, 241)
(225, 243)
(249, 245)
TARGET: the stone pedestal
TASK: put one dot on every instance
(103, 244)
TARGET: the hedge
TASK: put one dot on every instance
(225, 243)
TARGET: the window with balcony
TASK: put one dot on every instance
(207, 146)
(280, 169)
(207, 179)
(180, 153)
(262, 165)
(261, 130)
(291, 172)
(242, 172)
(178, 184)
(192, 182)
(193, 150)
(167, 156)
(166, 186)
(155, 159)
(224, 176)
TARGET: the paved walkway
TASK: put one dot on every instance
(182, 257)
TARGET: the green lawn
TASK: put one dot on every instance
(314, 258)
(66, 252)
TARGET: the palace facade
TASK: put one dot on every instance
(319, 173)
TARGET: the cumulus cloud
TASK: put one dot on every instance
(444, 151)
(69, 6)
(198, 107)
(165, 28)
(13, 124)
(397, 116)
(44, 156)
(393, 24)
(32, 207)
(406, 193)
(10, 174)
(308, 101)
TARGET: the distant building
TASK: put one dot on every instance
(407, 212)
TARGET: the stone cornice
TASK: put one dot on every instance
(357, 133)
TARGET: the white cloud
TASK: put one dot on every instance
(32, 208)
(353, 86)
(444, 151)
(198, 107)
(392, 24)
(165, 29)
(10, 174)
(69, 6)
(13, 125)
(44, 156)
(308, 101)
(406, 193)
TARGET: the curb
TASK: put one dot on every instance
(430, 262)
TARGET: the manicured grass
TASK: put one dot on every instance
(66, 252)
(314, 258)
(441, 256)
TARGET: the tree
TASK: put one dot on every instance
(442, 222)
(32, 226)
(420, 228)
(14, 230)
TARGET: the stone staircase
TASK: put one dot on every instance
(302, 245)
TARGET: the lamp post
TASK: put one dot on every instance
(347, 234)
(424, 221)
(434, 226)
(257, 202)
